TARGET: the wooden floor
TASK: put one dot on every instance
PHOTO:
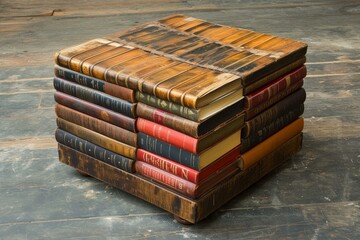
(316, 195)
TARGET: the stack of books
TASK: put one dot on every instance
(182, 102)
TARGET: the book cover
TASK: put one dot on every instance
(96, 111)
(94, 83)
(197, 115)
(252, 112)
(97, 125)
(194, 161)
(275, 111)
(268, 130)
(97, 139)
(269, 145)
(94, 151)
(274, 75)
(185, 172)
(274, 88)
(96, 97)
(228, 117)
(188, 67)
(181, 185)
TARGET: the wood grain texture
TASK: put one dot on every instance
(314, 196)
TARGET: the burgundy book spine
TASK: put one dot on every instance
(272, 89)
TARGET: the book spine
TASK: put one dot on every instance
(97, 139)
(167, 165)
(178, 184)
(269, 91)
(93, 150)
(96, 125)
(272, 113)
(280, 122)
(96, 97)
(269, 145)
(168, 135)
(96, 111)
(97, 84)
(168, 151)
(167, 106)
(252, 112)
(167, 119)
(274, 75)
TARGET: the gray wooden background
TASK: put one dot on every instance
(316, 195)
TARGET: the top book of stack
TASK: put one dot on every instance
(184, 60)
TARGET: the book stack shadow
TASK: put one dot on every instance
(182, 105)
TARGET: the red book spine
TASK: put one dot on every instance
(268, 91)
(178, 184)
(167, 135)
(186, 172)
(168, 165)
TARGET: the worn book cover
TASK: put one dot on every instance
(183, 60)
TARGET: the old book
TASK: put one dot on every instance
(275, 111)
(274, 75)
(181, 185)
(185, 208)
(97, 139)
(269, 145)
(188, 67)
(274, 88)
(96, 111)
(183, 141)
(194, 161)
(228, 118)
(268, 130)
(184, 172)
(94, 83)
(96, 97)
(94, 151)
(197, 115)
(252, 112)
(97, 125)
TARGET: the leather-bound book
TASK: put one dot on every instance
(190, 66)
(96, 84)
(95, 151)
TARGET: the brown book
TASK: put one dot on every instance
(270, 144)
(274, 88)
(97, 125)
(95, 151)
(274, 126)
(190, 210)
(228, 116)
(284, 106)
(94, 83)
(190, 67)
(274, 75)
(252, 112)
(98, 139)
(96, 111)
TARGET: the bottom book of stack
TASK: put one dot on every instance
(211, 193)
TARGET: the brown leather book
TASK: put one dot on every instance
(269, 145)
(266, 117)
(96, 125)
(192, 66)
(228, 118)
(97, 138)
